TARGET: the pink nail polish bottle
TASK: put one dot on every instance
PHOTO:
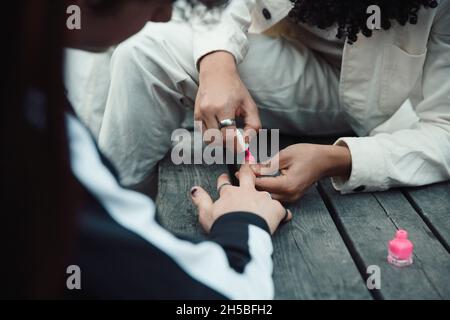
(400, 250)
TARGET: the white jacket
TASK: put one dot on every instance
(378, 75)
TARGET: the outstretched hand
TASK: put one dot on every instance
(300, 166)
(244, 198)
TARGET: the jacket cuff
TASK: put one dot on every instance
(237, 233)
(231, 221)
(369, 170)
(220, 38)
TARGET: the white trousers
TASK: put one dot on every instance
(154, 80)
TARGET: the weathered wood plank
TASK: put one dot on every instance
(433, 204)
(311, 260)
(301, 268)
(428, 250)
(175, 209)
(369, 222)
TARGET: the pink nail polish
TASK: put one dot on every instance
(248, 155)
(400, 250)
(194, 191)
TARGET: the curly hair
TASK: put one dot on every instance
(350, 16)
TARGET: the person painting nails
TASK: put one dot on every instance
(73, 211)
(325, 73)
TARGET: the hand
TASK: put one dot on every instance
(243, 198)
(301, 166)
(222, 95)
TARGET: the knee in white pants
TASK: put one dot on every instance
(157, 50)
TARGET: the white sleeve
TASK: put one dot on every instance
(417, 155)
(228, 34)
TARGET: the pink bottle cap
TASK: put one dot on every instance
(400, 246)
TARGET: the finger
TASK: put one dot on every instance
(261, 169)
(211, 122)
(278, 197)
(237, 175)
(274, 185)
(246, 177)
(284, 198)
(274, 165)
(285, 213)
(229, 137)
(240, 141)
(226, 113)
(210, 126)
(222, 181)
(202, 201)
(250, 134)
(199, 125)
(270, 167)
(251, 115)
(213, 137)
(289, 216)
(233, 138)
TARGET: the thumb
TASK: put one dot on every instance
(204, 203)
(270, 167)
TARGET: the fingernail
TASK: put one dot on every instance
(194, 191)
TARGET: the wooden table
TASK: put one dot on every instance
(325, 251)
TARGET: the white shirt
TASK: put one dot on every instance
(323, 42)
(378, 74)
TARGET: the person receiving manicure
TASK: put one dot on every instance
(73, 211)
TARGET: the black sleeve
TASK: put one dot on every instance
(231, 232)
(123, 252)
(116, 263)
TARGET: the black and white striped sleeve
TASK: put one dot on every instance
(125, 253)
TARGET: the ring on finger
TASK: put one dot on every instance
(286, 215)
(223, 185)
(227, 123)
(268, 193)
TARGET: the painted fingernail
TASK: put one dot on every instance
(194, 191)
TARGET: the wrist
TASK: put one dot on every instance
(338, 162)
(217, 61)
(235, 219)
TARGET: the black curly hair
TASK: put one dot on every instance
(350, 15)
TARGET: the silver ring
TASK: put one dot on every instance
(223, 185)
(286, 215)
(268, 193)
(227, 123)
